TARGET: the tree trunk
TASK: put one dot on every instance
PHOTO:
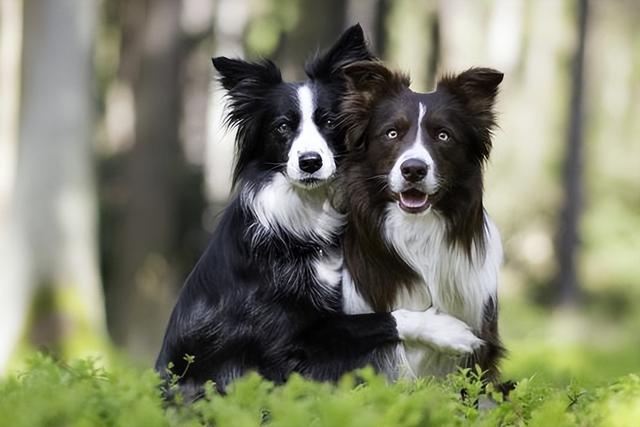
(320, 23)
(141, 286)
(366, 13)
(568, 290)
(13, 304)
(10, 45)
(51, 251)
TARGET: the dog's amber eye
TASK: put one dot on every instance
(392, 133)
(283, 128)
(443, 136)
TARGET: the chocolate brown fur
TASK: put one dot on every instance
(462, 102)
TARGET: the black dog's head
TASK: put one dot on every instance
(420, 150)
(290, 128)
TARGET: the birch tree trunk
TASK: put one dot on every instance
(13, 302)
(10, 45)
(51, 250)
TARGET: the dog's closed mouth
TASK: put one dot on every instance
(311, 182)
(414, 201)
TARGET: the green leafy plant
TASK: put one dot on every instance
(81, 393)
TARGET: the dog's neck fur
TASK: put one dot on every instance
(296, 233)
(280, 207)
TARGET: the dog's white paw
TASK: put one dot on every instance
(437, 330)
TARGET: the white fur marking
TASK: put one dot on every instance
(309, 139)
(416, 151)
(329, 270)
(352, 301)
(456, 284)
(304, 213)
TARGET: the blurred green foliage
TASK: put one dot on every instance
(49, 393)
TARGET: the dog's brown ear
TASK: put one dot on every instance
(477, 86)
(367, 83)
(371, 79)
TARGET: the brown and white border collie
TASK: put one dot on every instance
(418, 236)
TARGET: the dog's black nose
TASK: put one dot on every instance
(310, 161)
(414, 170)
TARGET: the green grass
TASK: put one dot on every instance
(79, 393)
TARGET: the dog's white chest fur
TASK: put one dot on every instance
(307, 215)
(450, 281)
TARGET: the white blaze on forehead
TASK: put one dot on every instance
(306, 102)
(417, 150)
(309, 139)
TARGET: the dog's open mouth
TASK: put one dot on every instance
(414, 201)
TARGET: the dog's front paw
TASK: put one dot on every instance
(437, 330)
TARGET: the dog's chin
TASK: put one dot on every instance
(308, 183)
(413, 201)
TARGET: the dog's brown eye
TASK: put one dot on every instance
(392, 133)
(329, 123)
(443, 136)
(282, 128)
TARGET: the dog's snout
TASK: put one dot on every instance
(310, 161)
(414, 170)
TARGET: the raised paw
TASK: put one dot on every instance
(440, 331)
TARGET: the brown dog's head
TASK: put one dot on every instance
(418, 152)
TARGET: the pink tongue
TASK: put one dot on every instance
(413, 198)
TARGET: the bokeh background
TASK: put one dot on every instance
(114, 162)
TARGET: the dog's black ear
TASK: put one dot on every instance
(237, 74)
(248, 85)
(367, 83)
(477, 86)
(349, 48)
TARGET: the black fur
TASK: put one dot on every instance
(254, 300)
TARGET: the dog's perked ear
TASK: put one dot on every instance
(474, 84)
(349, 48)
(367, 83)
(248, 84)
(236, 74)
(477, 89)
(372, 79)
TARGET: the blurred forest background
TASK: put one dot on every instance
(114, 163)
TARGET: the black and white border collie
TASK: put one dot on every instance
(417, 235)
(266, 294)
